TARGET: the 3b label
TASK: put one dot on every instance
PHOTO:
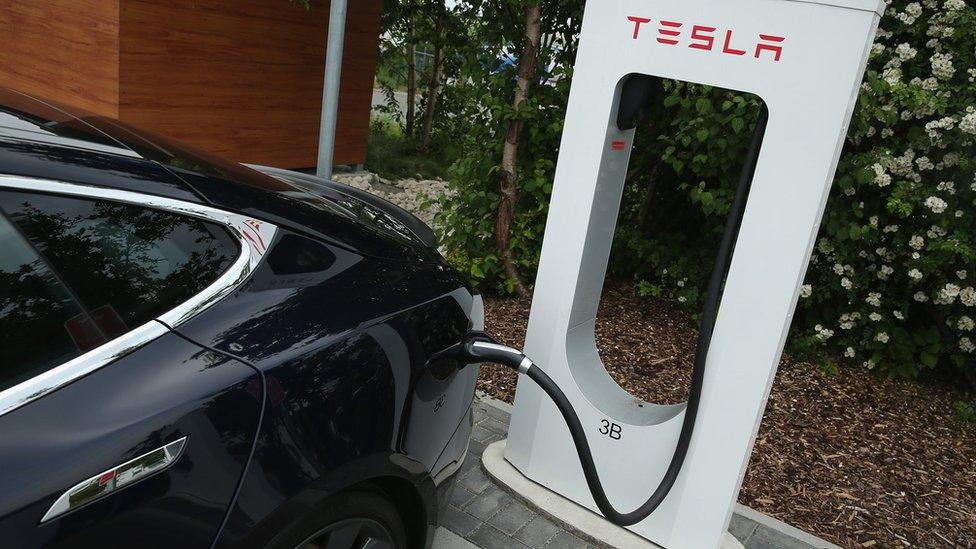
(610, 429)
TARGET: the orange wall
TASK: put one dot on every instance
(67, 50)
(240, 78)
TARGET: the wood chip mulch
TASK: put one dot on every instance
(854, 458)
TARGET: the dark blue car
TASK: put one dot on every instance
(197, 354)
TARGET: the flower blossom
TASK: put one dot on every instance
(942, 66)
(936, 204)
(823, 334)
(968, 122)
(947, 295)
(966, 345)
(905, 51)
(968, 296)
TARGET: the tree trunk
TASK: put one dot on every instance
(508, 175)
(434, 84)
(411, 77)
(648, 200)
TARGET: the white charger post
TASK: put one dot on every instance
(805, 59)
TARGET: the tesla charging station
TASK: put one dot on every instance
(805, 60)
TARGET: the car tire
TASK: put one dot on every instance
(347, 520)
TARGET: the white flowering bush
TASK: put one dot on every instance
(892, 282)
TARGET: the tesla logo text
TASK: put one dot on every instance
(704, 37)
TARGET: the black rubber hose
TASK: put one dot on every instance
(709, 315)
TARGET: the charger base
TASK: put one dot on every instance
(586, 524)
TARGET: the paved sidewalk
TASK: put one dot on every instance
(482, 514)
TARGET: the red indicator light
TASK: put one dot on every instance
(617, 145)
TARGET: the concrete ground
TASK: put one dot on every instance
(483, 515)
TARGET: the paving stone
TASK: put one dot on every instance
(446, 539)
(480, 412)
(512, 518)
(473, 458)
(493, 438)
(488, 503)
(767, 538)
(476, 480)
(565, 540)
(538, 532)
(471, 461)
(500, 415)
(489, 537)
(458, 521)
(481, 434)
(741, 528)
(495, 426)
(477, 447)
(461, 496)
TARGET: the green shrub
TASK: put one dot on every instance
(391, 155)
(966, 411)
(480, 96)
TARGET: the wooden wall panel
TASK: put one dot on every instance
(243, 78)
(64, 50)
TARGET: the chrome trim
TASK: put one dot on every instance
(55, 378)
(114, 479)
(253, 235)
(525, 365)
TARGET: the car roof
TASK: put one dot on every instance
(44, 125)
(42, 139)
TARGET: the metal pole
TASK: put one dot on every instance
(330, 88)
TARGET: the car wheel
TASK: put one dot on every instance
(349, 520)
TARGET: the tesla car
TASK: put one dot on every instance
(201, 354)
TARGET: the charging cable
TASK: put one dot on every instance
(480, 347)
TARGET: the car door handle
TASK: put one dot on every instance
(117, 478)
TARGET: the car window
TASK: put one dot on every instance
(124, 264)
(41, 324)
